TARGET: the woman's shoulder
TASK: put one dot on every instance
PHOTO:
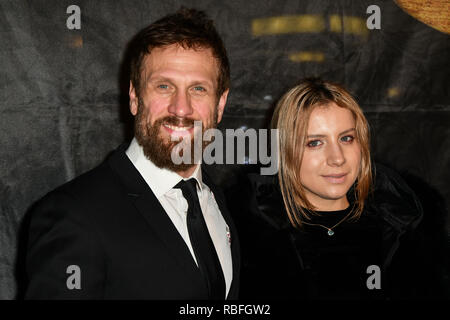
(393, 200)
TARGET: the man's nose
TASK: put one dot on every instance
(180, 105)
(335, 156)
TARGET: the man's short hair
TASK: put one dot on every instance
(189, 28)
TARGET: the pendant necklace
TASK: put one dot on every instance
(330, 231)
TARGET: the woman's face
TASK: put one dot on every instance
(331, 158)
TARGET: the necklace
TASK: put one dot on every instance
(330, 230)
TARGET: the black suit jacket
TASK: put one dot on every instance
(109, 223)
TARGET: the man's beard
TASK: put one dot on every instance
(158, 149)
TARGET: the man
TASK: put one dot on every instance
(139, 226)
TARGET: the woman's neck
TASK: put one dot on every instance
(331, 205)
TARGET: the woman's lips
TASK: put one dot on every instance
(335, 178)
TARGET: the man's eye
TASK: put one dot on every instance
(314, 143)
(347, 139)
(200, 89)
(163, 86)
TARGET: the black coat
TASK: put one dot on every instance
(272, 263)
(109, 223)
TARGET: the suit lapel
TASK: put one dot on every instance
(149, 207)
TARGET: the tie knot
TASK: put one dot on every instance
(189, 186)
(189, 190)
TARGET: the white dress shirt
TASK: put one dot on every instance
(162, 182)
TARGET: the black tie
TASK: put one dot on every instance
(204, 250)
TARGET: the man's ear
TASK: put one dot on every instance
(221, 105)
(134, 101)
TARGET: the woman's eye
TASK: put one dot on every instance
(347, 139)
(314, 143)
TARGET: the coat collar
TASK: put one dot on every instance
(392, 202)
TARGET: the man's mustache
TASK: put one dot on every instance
(176, 121)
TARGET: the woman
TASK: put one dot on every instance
(324, 228)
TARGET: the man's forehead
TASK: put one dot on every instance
(176, 52)
(179, 48)
(198, 61)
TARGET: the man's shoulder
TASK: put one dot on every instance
(98, 187)
(95, 182)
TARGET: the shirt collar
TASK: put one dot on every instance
(159, 180)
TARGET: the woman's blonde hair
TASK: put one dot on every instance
(291, 117)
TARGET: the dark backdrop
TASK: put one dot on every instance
(63, 93)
